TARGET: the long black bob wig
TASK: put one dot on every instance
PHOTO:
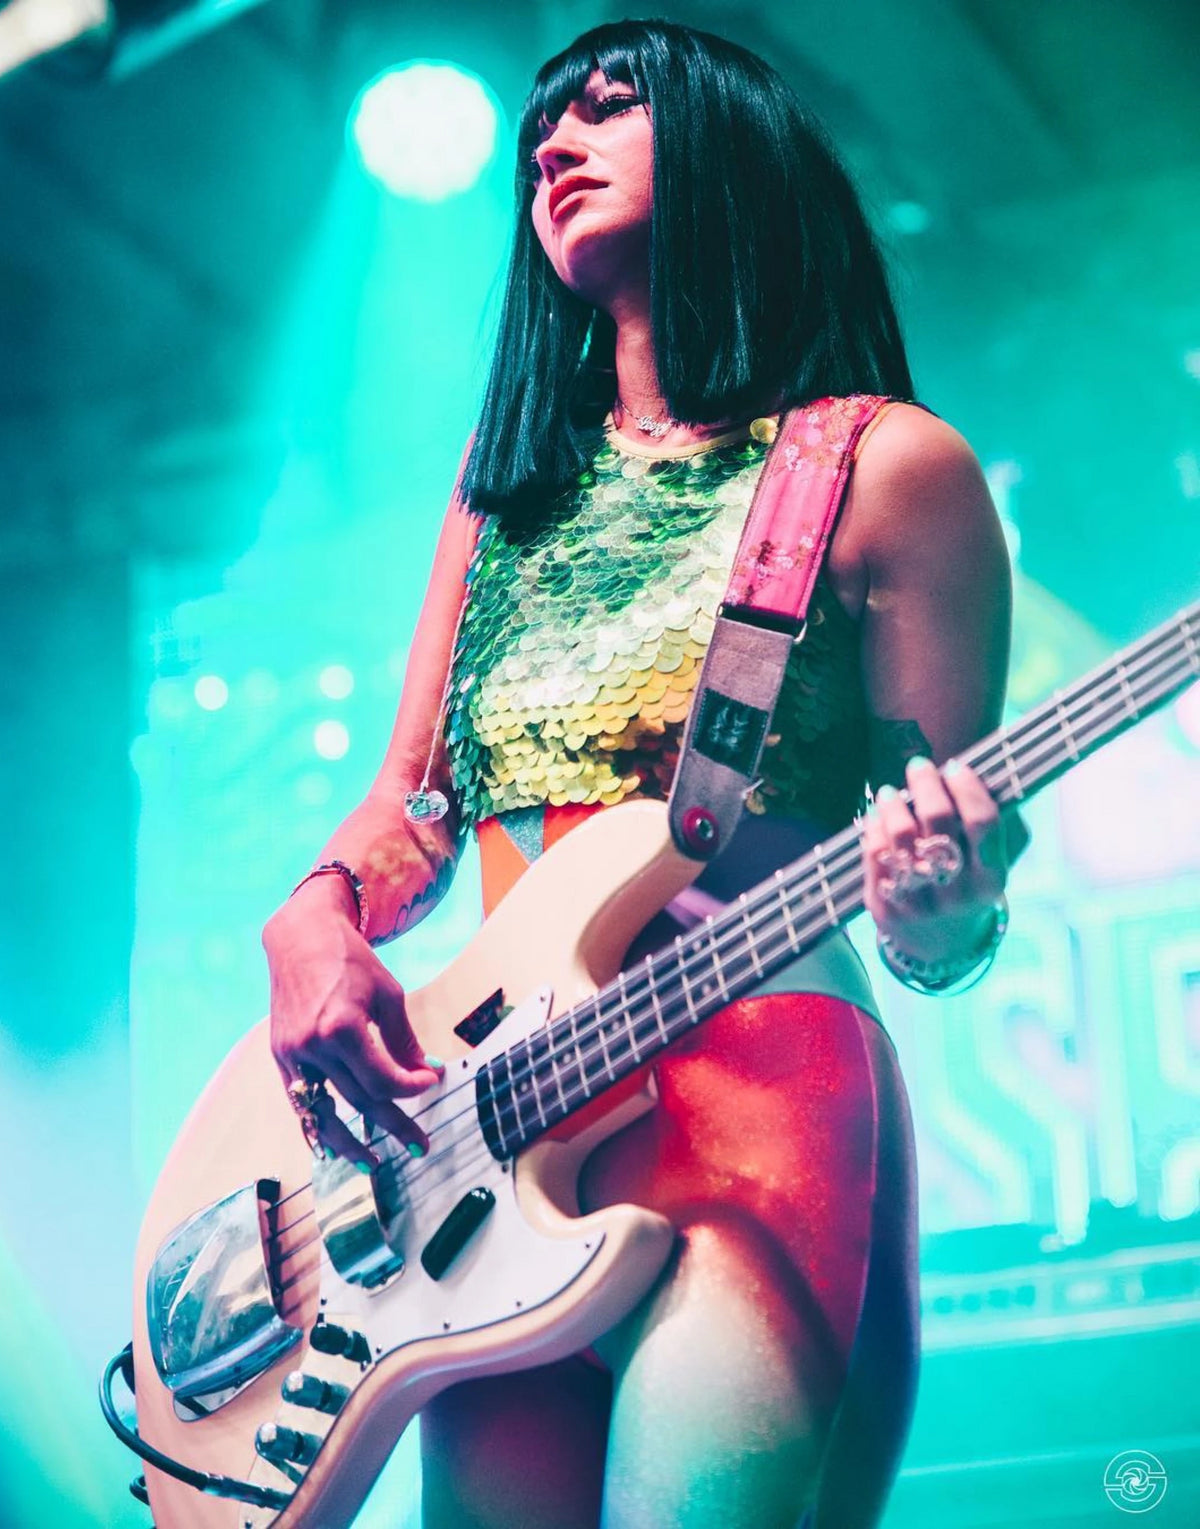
(766, 285)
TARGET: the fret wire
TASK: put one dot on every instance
(505, 1057)
(779, 892)
(652, 989)
(1098, 724)
(578, 1052)
(630, 1031)
(1095, 721)
(1086, 691)
(714, 941)
(785, 947)
(677, 946)
(528, 1086)
(1035, 723)
(744, 907)
(1133, 711)
(1166, 636)
(1065, 728)
(817, 854)
(848, 840)
(713, 956)
(637, 1019)
(608, 1066)
(535, 1081)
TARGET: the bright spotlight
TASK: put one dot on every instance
(105, 37)
(331, 739)
(425, 130)
(335, 681)
(211, 692)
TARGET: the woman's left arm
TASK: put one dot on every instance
(936, 626)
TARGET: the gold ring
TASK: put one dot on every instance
(306, 1096)
(306, 1093)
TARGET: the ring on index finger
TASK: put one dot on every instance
(307, 1095)
(938, 859)
(900, 874)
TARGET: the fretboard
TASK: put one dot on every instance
(542, 1079)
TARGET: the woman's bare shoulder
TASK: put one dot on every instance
(916, 477)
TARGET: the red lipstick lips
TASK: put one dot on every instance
(567, 187)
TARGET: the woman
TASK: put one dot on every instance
(689, 261)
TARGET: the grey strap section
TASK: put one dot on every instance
(727, 728)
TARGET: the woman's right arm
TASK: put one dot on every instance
(336, 1010)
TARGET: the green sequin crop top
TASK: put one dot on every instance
(580, 648)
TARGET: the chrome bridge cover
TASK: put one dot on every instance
(212, 1319)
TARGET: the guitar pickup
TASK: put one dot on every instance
(481, 1021)
(456, 1231)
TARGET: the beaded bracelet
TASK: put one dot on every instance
(946, 979)
(352, 878)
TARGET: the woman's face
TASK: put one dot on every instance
(594, 183)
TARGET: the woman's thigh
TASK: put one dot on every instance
(520, 1451)
(772, 1369)
(725, 1388)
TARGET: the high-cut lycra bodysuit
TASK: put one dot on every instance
(575, 664)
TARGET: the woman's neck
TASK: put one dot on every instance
(639, 392)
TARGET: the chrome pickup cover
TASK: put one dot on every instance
(213, 1323)
(361, 1217)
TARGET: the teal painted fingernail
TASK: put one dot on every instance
(918, 761)
(365, 1167)
(415, 1149)
(952, 767)
(434, 1061)
(886, 793)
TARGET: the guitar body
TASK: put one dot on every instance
(534, 1282)
(291, 1317)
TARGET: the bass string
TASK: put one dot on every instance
(702, 953)
(1050, 724)
(737, 918)
(417, 1169)
(510, 1107)
(479, 1154)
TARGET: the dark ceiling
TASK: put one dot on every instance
(1051, 298)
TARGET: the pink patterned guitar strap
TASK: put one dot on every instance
(787, 534)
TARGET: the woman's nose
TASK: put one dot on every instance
(558, 154)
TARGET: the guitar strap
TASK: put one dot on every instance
(786, 536)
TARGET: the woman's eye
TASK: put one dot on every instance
(609, 106)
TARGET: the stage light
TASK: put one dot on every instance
(908, 217)
(335, 681)
(211, 692)
(111, 37)
(331, 739)
(425, 130)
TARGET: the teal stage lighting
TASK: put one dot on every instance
(425, 130)
(88, 38)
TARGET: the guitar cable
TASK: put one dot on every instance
(202, 1481)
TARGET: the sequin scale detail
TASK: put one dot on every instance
(580, 648)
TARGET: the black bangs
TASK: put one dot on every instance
(563, 78)
(767, 288)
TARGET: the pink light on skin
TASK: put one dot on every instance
(1187, 714)
(603, 143)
